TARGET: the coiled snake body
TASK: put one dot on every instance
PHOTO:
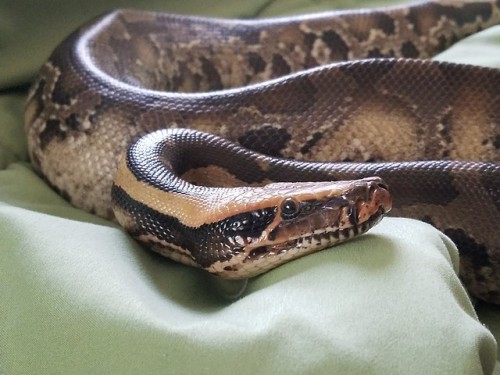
(429, 129)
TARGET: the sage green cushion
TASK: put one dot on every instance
(79, 296)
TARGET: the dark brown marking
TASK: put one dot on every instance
(469, 12)
(309, 39)
(469, 248)
(444, 41)
(61, 94)
(338, 47)
(256, 62)
(72, 121)
(52, 130)
(211, 74)
(374, 53)
(316, 137)
(295, 98)
(267, 140)
(385, 22)
(409, 50)
(279, 66)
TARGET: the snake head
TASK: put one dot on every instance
(304, 218)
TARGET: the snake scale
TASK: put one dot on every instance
(353, 87)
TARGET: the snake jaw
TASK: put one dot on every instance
(332, 217)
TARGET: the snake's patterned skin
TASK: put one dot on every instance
(116, 79)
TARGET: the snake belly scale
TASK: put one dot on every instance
(353, 87)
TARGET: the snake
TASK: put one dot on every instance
(237, 145)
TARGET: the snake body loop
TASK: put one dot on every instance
(430, 129)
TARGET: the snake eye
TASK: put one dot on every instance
(290, 208)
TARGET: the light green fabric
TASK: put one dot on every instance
(79, 296)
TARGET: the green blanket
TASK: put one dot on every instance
(79, 296)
